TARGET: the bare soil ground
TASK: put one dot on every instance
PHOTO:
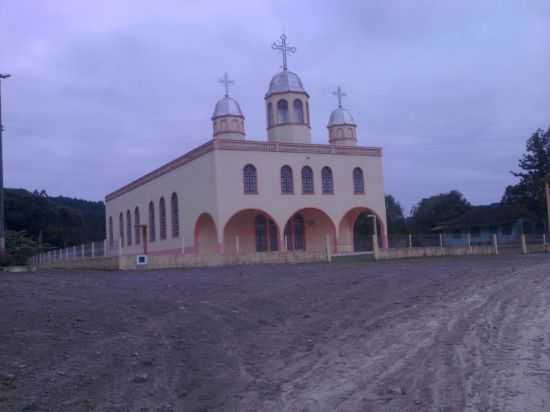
(448, 334)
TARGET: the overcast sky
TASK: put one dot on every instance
(104, 91)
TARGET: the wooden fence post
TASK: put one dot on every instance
(410, 241)
(93, 249)
(495, 243)
(441, 240)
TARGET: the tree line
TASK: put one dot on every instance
(528, 192)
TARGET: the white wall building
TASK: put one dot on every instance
(233, 195)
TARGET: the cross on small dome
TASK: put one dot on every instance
(339, 93)
(226, 83)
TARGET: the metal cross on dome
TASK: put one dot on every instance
(340, 94)
(226, 82)
(284, 48)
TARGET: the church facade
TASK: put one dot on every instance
(233, 195)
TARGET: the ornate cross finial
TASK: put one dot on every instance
(226, 82)
(340, 94)
(285, 49)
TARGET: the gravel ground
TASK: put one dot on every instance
(445, 334)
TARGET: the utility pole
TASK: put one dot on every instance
(2, 229)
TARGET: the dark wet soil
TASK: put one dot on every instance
(447, 334)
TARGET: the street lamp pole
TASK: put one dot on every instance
(2, 229)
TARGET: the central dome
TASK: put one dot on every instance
(284, 82)
(227, 106)
(340, 116)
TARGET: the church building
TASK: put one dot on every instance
(234, 195)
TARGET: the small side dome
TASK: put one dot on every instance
(340, 116)
(227, 106)
(285, 81)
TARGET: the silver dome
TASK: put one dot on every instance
(227, 107)
(285, 81)
(340, 116)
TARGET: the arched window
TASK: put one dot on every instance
(175, 215)
(128, 228)
(327, 180)
(234, 124)
(350, 132)
(152, 225)
(111, 236)
(298, 111)
(260, 224)
(162, 217)
(137, 222)
(282, 111)
(358, 181)
(307, 180)
(121, 229)
(339, 133)
(287, 182)
(307, 114)
(224, 125)
(250, 179)
(269, 114)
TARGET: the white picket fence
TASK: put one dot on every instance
(85, 251)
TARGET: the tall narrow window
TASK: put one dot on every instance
(307, 180)
(162, 217)
(358, 181)
(340, 133)
(307, 114)
(250, 179)
(299, 233)
(287, 182)
(111, 237)
(261, 233)
(295, 233)
(270, 114)
(282, 111)
(328, 182)
(137, 222)
(175, 215)
(273, 236)
(121, 229)
(298, 111)
(152, 223)
(128, 228)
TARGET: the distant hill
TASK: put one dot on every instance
(63, 221)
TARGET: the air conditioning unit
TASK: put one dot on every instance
(141, 260)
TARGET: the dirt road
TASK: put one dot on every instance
(449, 334)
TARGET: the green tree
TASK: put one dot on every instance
(430, 211)
(534, 166)
(396, 219)
(19, 248)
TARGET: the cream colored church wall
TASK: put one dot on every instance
(194, 183)
(229, 169)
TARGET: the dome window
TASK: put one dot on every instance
(282, 111)
(298, 111)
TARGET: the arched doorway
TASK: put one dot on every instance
(250, 231)
(308, 229)
(206, 239)
(363, 230)
(357, 228)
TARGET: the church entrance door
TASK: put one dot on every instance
(363, 230)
